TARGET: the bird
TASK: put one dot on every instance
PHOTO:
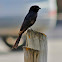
(29, 20)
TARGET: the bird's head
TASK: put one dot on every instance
(34, 8)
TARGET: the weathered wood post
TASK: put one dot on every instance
(36, 47)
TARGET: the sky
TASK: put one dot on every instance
(13, 7)
(10, 7)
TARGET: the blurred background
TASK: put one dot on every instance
(49, 21)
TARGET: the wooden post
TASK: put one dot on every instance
(36, 47)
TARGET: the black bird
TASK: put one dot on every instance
(28, 21)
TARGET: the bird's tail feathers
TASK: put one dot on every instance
(17, 41)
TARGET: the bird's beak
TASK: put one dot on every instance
(39, 8)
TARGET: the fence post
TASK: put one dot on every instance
(36, 47)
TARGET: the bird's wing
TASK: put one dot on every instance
(29, 20)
